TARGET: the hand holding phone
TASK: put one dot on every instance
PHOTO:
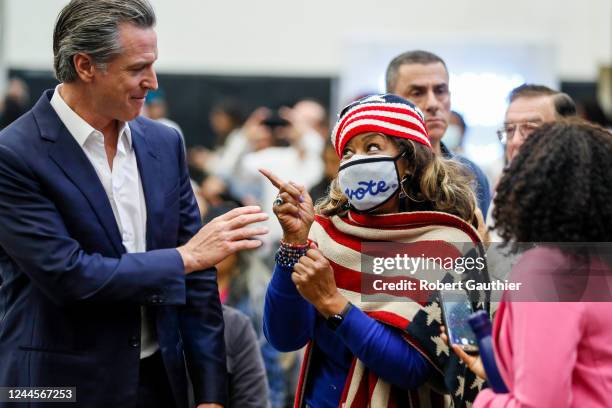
(473, 362)
(456, 309)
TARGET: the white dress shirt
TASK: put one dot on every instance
(123, 188)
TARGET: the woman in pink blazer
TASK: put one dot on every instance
(553, 338)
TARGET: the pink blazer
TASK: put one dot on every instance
(553, 354)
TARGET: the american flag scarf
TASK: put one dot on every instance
(340, 239)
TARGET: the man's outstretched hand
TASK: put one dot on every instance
(223, 236)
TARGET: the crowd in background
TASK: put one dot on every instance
(292, 142)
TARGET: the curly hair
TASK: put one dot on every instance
(431, 181)
(558, 188)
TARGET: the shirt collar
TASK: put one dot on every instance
(446, 153)
(80, 129)
(125, 138)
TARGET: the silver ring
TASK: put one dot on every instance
(277, 201)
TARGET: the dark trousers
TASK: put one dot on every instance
(153, 386)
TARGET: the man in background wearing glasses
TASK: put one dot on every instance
(530, 107)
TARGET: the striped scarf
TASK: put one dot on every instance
(341, 240)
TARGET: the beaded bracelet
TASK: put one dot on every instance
(289, 254)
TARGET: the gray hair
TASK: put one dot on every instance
(409, 57)
(92, 27)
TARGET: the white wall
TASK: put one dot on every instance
(306, 37)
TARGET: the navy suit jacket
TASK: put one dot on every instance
(70, 297)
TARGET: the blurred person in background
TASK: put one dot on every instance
(242, 280)
(295, 151)
(248, 384)
(455, 133)
(241, 295)
(552, 338)
(529, 107)
(331, 163)
(228, 170)
(156, 108)
(226, 117)
(314, 114)
(230, 143)
(219, 172)
(422, 78)
(15, 102)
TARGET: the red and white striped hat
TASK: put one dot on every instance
(385, 113)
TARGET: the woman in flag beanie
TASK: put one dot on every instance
(391, 188)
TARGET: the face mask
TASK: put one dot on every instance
(369, 181)
(452, 137)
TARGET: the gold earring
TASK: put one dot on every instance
(403, 191)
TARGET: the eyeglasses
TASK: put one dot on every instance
(506, 133)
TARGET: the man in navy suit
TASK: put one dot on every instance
(108, 278)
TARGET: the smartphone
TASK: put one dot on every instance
(456, 309)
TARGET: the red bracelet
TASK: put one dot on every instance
(295, 246)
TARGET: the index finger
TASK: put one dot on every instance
(282, 186)
(273, 179)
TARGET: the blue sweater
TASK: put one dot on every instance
(290, 322)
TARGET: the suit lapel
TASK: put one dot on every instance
(150, 175)
(71, 158)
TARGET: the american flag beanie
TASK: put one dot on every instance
(385, 113)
